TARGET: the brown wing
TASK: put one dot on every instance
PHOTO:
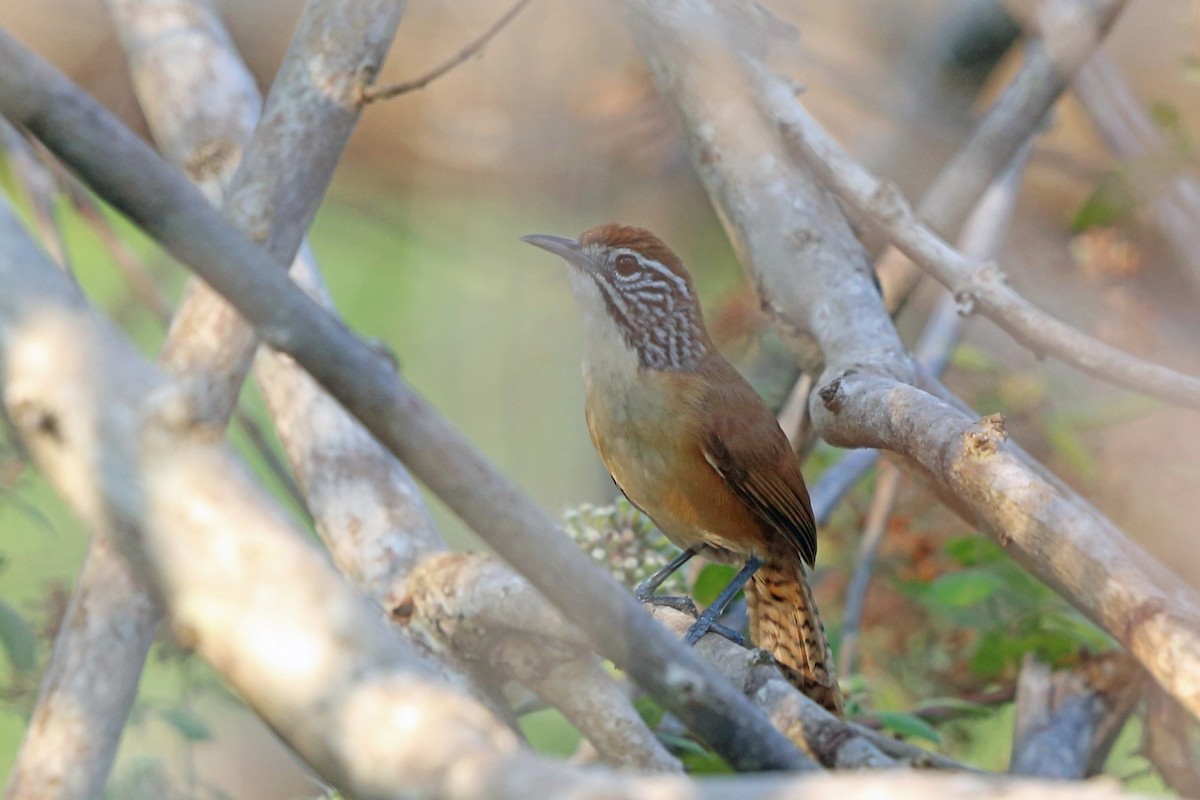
(745, 446)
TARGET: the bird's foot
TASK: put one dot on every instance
(708, 622)
(679, 603)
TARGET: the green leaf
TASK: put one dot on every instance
(991, 655)
(972, 359)
(695, 757)
(1073, 625)
(188, 723)
(1165, 116)
(963, 707)
(1069, 447)
(962, 589)
(650, 711)
(908, 725)
(972, 551)
(1108, 202)
(18, 639)
(711, 580)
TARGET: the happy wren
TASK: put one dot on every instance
(692, 445)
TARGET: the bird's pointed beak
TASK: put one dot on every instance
(567, 249)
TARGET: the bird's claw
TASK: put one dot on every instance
(705, 624)
(684, 604)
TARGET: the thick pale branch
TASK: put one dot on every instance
(772, 210)
(90, 683)
(1057, 536)
(306, 650)
(274, 193)
(491, 616)
(202, 105)
(122, 168)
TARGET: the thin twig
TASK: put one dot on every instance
(1071, 32)
(945, 712)
(977, 285)
(887, 486)
(38, 183)
(372, 94)
(144, 287)
(793, 415)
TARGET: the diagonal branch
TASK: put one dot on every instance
(1071, 31)
(132, 177)
(813, 282)
(976, 285)
(477, 606)
(112, 615)
(355, 701)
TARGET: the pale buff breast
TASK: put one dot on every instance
(653, 449)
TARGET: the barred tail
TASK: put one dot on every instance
(784, 622)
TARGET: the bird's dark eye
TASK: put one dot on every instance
(626, 265)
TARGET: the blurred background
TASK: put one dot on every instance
(557, 126)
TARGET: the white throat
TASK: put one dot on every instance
(607, 355)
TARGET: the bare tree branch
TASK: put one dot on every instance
(354, 700)
(39, 187)
(1055, 535)
(201, 99)
(981, 238)
(477, 605)
(90, 683)
(887, 486)
(1169, 742)
(306, 650)
(780, 222)
(1071, 30)
(1066, 721)
(974, 284)
(208, 342)
(371, 94)
(36, 96)
(482, 610)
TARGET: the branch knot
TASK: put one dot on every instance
(832, 395)
(986, 436)
(888, 203)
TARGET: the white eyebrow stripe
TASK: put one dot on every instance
(667, 273)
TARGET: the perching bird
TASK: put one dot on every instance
(690, 443)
